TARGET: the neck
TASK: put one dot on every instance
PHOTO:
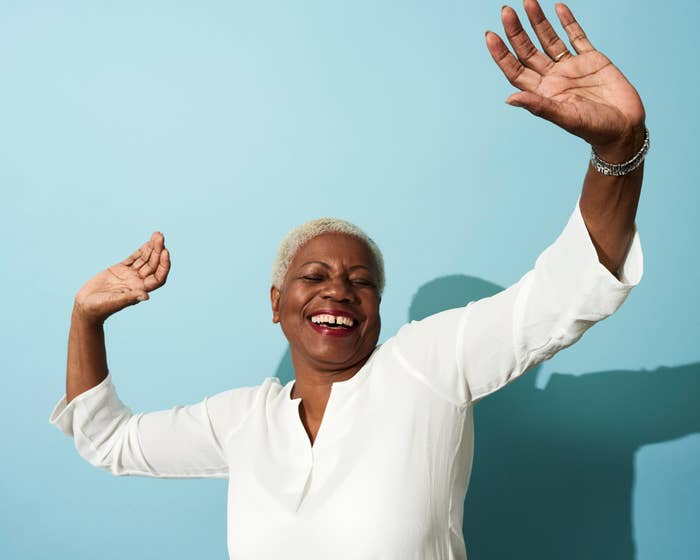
(313, 385)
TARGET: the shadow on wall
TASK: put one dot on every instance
(553, 468)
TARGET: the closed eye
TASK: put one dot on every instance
(362, 282)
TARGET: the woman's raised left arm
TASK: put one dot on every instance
(586, 95)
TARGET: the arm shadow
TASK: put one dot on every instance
(553, 468)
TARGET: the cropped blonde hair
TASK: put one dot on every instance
(306, 232)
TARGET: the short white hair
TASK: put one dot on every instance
(306, 232)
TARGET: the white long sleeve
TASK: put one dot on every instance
(183, 442)
(467, 353)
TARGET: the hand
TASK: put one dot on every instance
(585, 94)
(125, 283)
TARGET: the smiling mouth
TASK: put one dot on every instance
(338, 325)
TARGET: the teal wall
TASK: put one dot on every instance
(224, 124)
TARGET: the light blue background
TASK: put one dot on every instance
(224, 124)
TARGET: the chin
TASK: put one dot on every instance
(339, 359)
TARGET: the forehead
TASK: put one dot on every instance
(335, 249)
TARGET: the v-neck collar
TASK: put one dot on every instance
(339, 393)
(338, 388)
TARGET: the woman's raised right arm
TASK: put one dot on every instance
(119, 286)
(182, 442)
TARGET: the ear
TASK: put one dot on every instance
(275, 301)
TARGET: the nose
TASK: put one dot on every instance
(339, 289)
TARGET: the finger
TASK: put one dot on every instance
(157, 241)
(555, 48)
(140, 256)
(158, 278)
(547, 108)
(143, 253)
(527, 53)
(577, 37)
(517, 74)
(128, 261)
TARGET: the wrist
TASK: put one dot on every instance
(625, 147)
(83, 317)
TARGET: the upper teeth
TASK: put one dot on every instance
(333, 319)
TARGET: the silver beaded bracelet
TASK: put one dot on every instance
(618, 169)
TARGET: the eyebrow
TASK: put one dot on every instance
(326, 265)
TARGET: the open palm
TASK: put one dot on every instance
(127, 282)
(584, 94)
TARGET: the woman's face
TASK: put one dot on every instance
(328, 305)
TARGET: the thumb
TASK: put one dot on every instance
(546, 108)
(128, 299)
(536, 104)
(140, 296)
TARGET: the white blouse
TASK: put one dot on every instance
(387, 475)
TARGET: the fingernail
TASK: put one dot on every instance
(141, 298)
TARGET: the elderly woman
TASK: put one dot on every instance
(367, 452)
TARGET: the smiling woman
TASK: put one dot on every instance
(367, 452)
(328, 307)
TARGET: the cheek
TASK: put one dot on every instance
(292, 305)
(374, 321)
